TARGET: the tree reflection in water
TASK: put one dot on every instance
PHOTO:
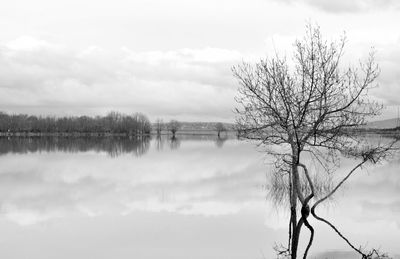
(219, 142)
(113, 146)
(174, 143)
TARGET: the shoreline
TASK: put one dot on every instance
(102, 134)
(383, 132)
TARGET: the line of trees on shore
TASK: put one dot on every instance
(112, 123)
(174, 126)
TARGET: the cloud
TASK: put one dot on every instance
(388, 57)
(344, 6)
(26, 43)
(42, 77)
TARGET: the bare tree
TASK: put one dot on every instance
(308, 105)
(219, 127)
(174, 126)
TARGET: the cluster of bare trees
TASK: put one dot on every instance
(114, 122)
(173, 126)
(305, 110)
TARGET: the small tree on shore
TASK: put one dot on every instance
(174, 126)
(310, 106)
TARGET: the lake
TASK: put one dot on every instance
(196, 197)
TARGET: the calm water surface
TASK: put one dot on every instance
(195, 197)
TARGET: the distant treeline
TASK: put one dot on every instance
(112, 123)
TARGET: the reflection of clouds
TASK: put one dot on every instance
(379, 194)
(343, 255)
(363, 208)
(30, 197)
(338, 255)
(58, 184)
(383, 209)
(197, 179)
(185, 207)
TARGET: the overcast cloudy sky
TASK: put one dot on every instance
(170, 59)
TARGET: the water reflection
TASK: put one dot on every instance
(113, 146)
(219, 142)
(60, 177)
(159, 143)
(77, 200)
(174, 143)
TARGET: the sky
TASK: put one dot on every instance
(172, 59)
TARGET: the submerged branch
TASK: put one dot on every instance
(310, 241)
(338, 232)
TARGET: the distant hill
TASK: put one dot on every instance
(383, 124)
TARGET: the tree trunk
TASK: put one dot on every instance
(296, 226)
